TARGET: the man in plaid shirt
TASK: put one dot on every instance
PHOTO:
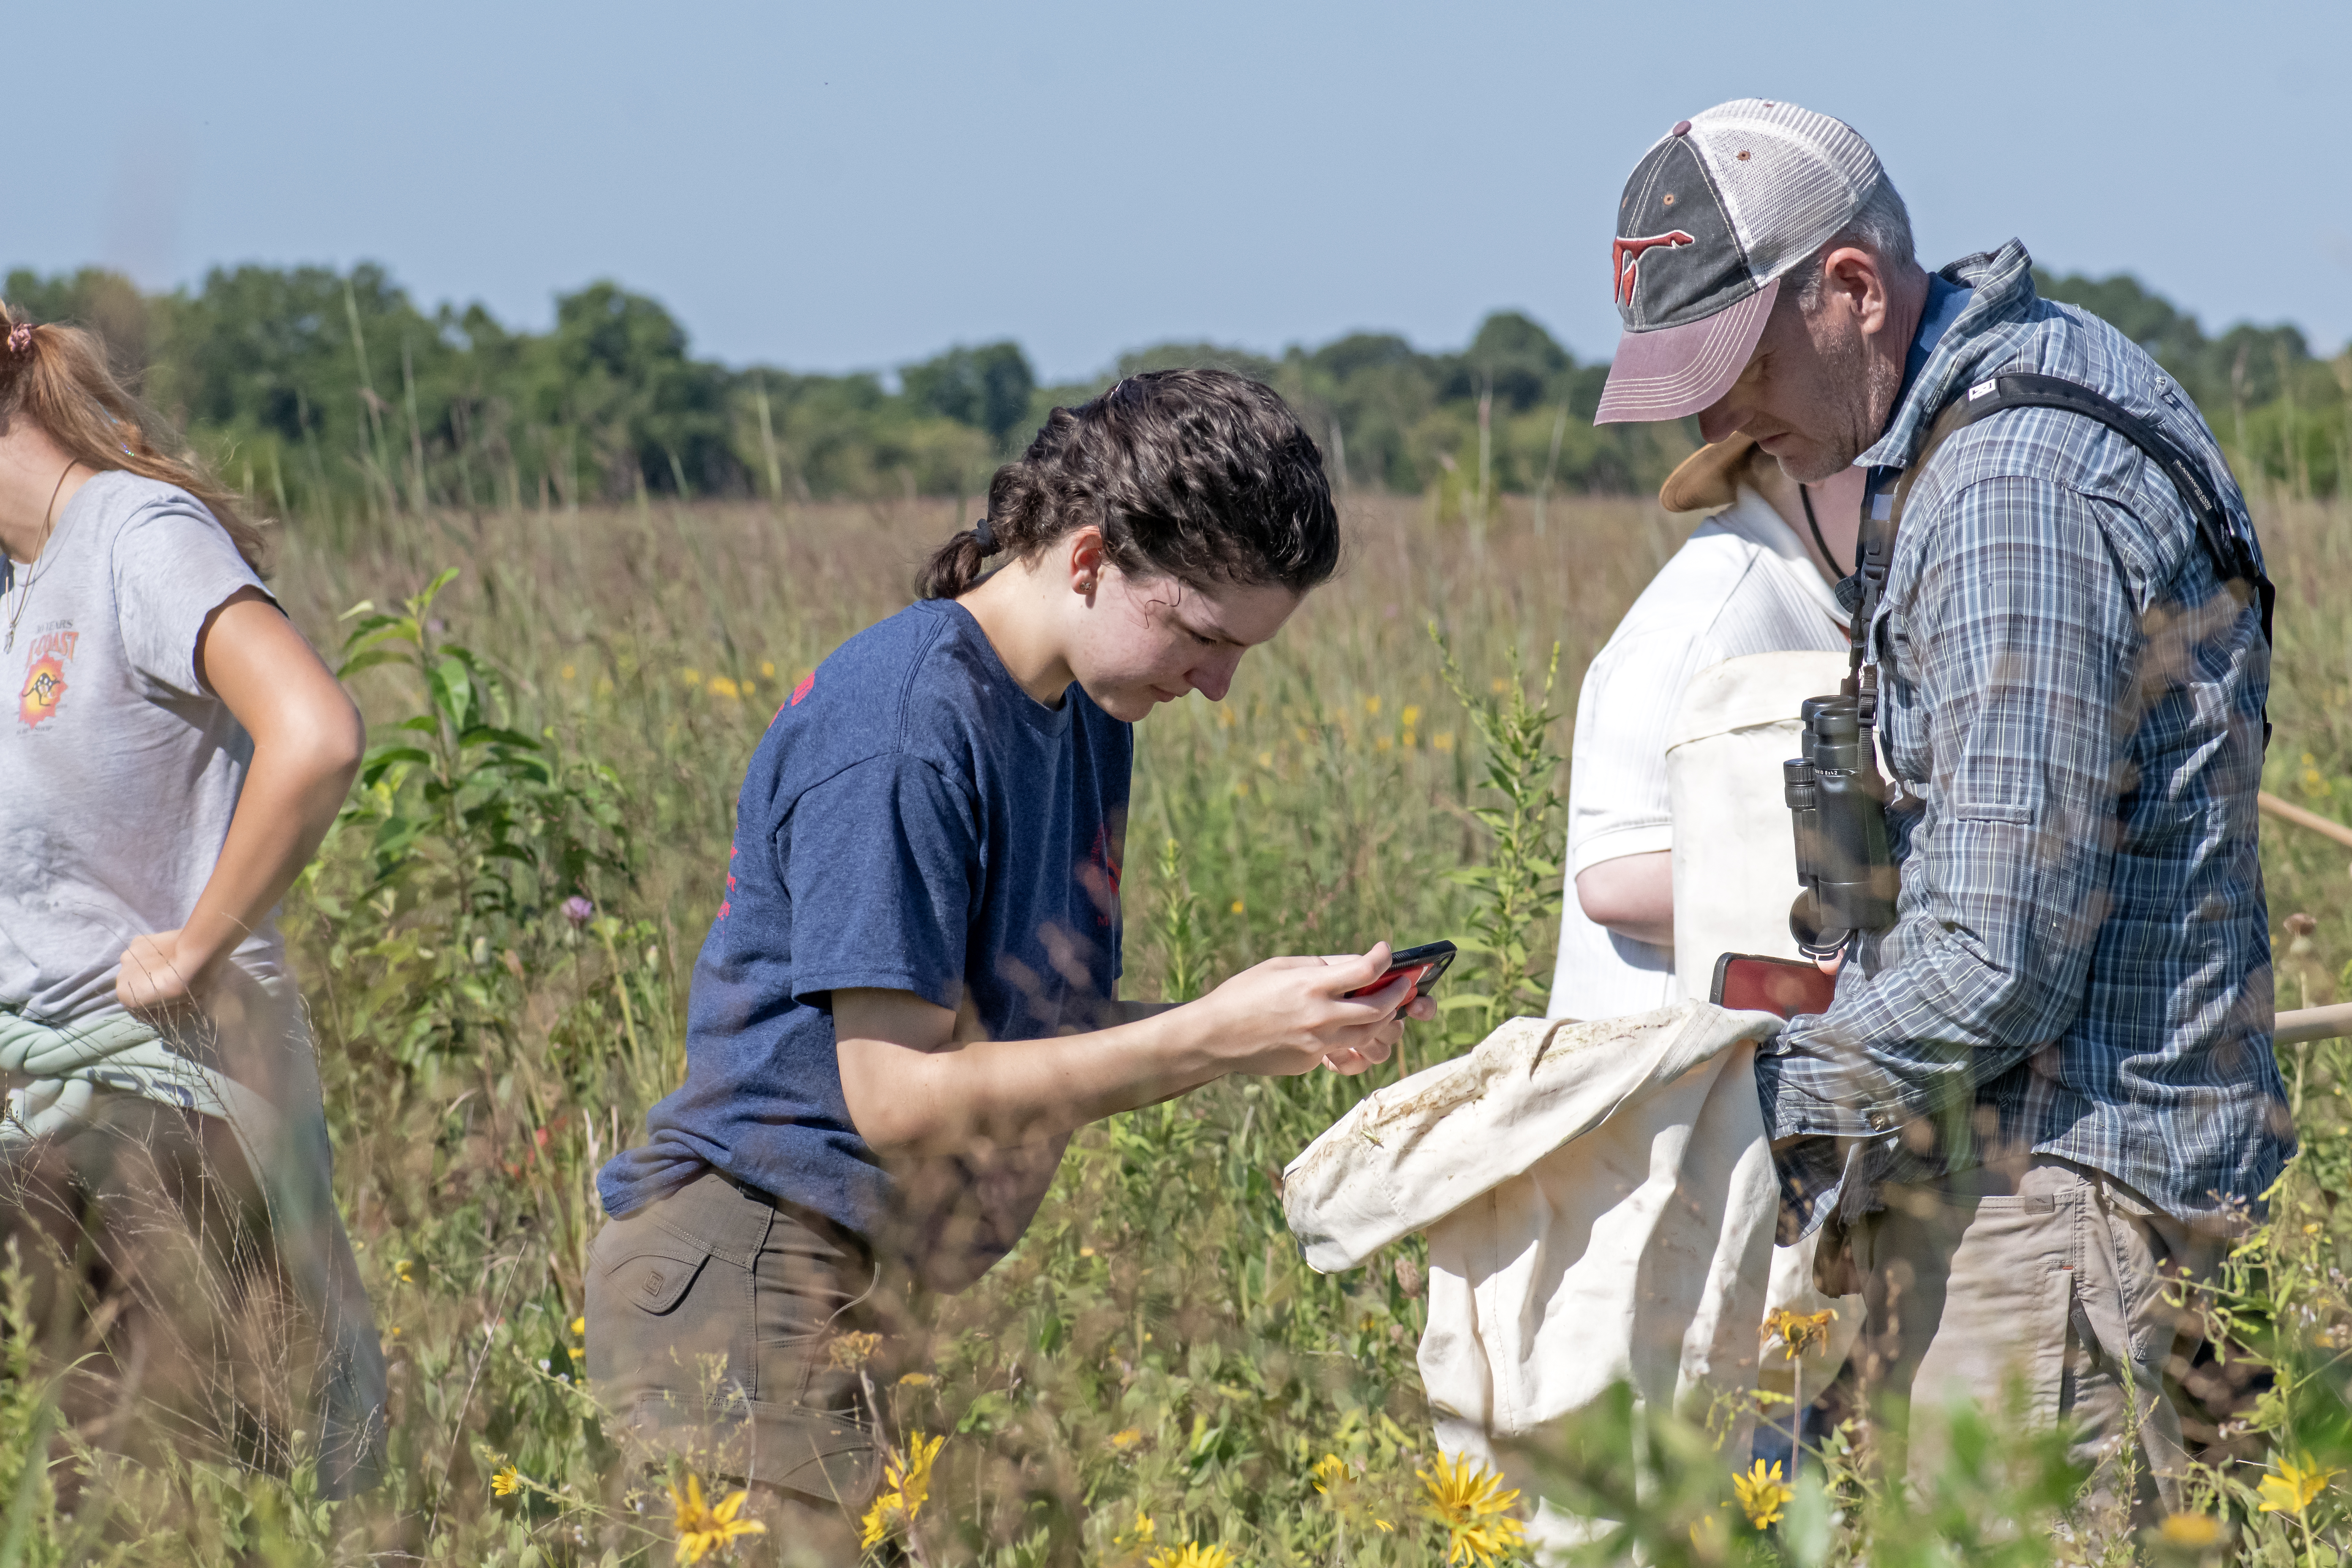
(2049, 1084)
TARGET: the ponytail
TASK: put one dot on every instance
(1200, 475)
(956, 567)
(57, 377)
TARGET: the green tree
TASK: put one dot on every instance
(986, 387)
(616, 369)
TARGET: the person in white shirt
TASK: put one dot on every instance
(1756, 577)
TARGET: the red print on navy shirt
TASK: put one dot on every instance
(728, 903)
(1099, 875)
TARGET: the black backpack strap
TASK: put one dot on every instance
(2232, 556)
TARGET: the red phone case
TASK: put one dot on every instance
(1746, 982)
(1417, 971)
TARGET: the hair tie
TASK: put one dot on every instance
(984, 535)
(20, 337)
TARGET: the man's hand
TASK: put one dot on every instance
(164, 974)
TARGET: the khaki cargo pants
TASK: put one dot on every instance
(2055, 1285)
(712, 1316)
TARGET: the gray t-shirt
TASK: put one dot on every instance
(118, 771)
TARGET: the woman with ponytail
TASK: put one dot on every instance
(175, 753)
(909, 998)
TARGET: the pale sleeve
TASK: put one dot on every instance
(1617, 802)
(174, 566)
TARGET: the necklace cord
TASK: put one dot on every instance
(48, 520)
(1820, 543)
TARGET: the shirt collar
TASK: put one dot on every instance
(1989, 295)
(1753, 518)
(1946, 301)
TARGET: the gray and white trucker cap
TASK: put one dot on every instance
(1714, 215)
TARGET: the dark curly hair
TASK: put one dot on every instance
(1200, 475)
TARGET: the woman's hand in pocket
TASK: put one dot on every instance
(162, 975)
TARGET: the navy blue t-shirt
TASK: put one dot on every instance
(912, 821)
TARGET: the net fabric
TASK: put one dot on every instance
(1804, 177)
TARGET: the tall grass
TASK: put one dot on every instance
(1154, 1365)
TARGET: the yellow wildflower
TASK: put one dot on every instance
(1710, 1538)
(399, 1271)
(917, 1380)
(567, 672)
(1469, 1501)
(721, 686)
(1373, 706)
(702, 1529)
(1442, 740)
(906, 1486)
(768, 667)
(1123, 1441)
(505, 1479)
(1799, 1331)
(1331, 1471)
(1762, 1494)
(1140, 1534)
(691, 677)
(850, 1352)
(1499, 686)
(2297, 1486)
(1191, 1554)
(1411, 716)
(1239, 906)
(1265, 759)
(2194, 1530)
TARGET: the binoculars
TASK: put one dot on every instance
(1837, 803)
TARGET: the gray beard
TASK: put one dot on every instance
(1860, 423)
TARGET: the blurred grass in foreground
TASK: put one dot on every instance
(1154, 1368)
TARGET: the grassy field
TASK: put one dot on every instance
(1154, 1368)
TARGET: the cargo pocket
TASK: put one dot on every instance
(654, 1280)
(650, 1332)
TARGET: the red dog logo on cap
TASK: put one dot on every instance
(1625, 259)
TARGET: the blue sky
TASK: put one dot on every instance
(858, 185)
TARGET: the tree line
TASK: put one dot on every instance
(333, 394)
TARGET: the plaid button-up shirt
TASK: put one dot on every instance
(2071, 709)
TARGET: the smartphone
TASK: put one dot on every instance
(1746, 983)
(1425, 963)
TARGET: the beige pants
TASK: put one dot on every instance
(2050, 1287)
(712, 1319)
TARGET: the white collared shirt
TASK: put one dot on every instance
(1743, 583)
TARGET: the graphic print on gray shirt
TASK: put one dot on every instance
(110, 723)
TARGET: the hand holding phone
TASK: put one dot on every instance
(1425, 965)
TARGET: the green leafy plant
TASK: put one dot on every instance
(1517, 885)
(478, 835)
